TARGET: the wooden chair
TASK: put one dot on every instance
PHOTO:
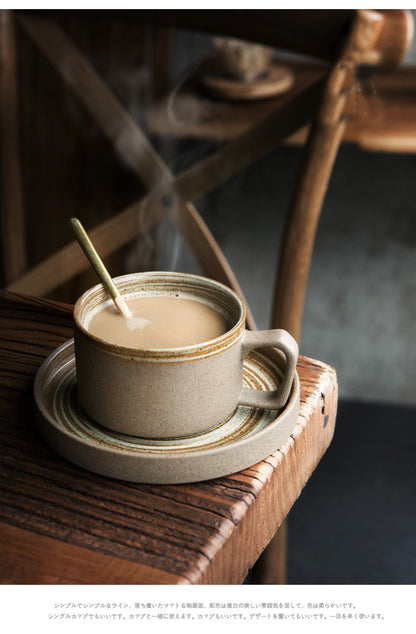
(345, 39)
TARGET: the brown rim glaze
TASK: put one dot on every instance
(165, 283)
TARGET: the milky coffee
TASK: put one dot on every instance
(159, 322)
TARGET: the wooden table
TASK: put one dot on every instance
(62, 525)
(381, 111)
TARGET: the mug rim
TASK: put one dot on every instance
(205, 348)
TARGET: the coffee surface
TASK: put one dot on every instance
(159, 322)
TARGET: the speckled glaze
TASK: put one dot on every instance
(175, 392)
(248, 436)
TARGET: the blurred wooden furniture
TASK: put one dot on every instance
(54, 155)
(346, 40)
(382, 116)
(62, 525)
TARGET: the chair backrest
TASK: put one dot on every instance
(345, 39)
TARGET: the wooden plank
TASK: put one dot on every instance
(318, 33)
(13, 234)
(314, 32)
(208, 532)
(38, 559)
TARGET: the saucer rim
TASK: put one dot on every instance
(251, 90)
(55, 435)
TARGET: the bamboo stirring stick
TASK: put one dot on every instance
(98, 266)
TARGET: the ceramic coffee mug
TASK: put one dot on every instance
(243, 60)
(172, 392)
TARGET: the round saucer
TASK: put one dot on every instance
(278, 80)
(250, 435)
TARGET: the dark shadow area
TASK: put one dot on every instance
(355, 521)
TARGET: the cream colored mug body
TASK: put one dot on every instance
(173, 392)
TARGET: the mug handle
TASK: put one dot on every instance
(281, 339)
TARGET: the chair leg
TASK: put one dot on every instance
(270, 568)
(301, 227)
(322, 146)
(302, 222)
(293, 271)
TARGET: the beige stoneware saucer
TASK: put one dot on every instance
(279, 80)
(250, 435)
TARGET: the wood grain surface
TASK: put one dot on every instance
(60, 524)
